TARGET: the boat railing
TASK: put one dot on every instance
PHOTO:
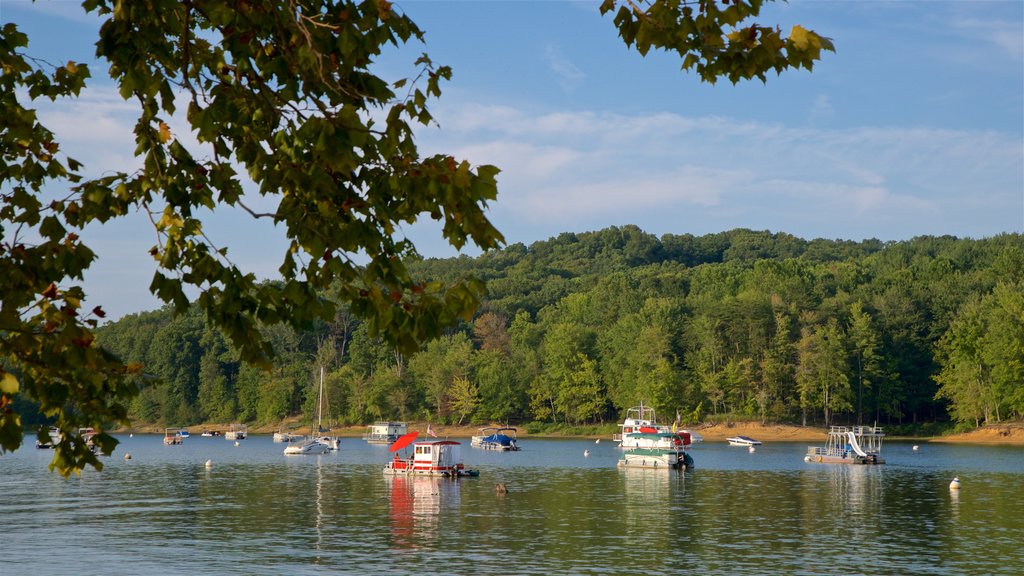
(826, 451)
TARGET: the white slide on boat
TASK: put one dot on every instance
(855, 445)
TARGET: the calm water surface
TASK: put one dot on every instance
(259, 512)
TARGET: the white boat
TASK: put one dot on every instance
(384, 432)
(501, 439)
(89, 436)
(315, 444)
(287, 437)
(743, 441)
(54, 435)
(640, 429)
(184, 433)
(663, 459)
(431, 458)
(236, 432)
(308, 447)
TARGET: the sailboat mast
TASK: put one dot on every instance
(320, 403)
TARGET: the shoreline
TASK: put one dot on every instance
(1000, 434)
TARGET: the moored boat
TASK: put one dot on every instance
(313, 446)
(316, 444)
(236, 432)
(640, 429)
(742, 441)
(502, 439)
(431, 458)
(173, 436)
(655, 458)
(384, 432)
(287, 437)
(54, 435)
(849, 445)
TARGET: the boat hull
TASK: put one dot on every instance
(307, 448)
(656, 459)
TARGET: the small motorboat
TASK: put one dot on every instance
(743, 441)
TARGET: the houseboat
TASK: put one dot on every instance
(384, 432)
(742, 441)
(656, 458)
(431, 458)
(502, 439)
(236, 432)
(849, 445)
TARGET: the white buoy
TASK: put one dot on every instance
(127, 456)
(209, 463)
(131, 435)
(915, 447)
(237, 444)
(751, 449)
(586, 453)
(955, 484)
(598, 441)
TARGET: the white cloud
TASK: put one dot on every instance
(571, 169)
(569, 76)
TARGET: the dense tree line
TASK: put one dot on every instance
(741, 324)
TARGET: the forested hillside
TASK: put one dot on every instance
(741, 324)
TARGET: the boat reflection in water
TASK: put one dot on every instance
(416, 506)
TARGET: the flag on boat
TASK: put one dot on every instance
(430, 431)
(676, 423)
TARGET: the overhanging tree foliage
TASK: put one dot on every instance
(279, 93)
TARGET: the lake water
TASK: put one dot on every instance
(256, 511)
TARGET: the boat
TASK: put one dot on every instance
(640, 429)
(429, 458)
(280, 436)
(385, 432)
(184, 433)
(496, 439)
(210, 433)
(849, 445)
(54, 435)
(743, 441)
(236, 432)
(315, 444)
(656, 458)
(89, 436)
(173, 436)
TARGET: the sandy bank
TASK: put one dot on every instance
(1012, 434)
(1008, 434)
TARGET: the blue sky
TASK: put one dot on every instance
(915, 126)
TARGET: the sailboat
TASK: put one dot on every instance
(315, 444)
